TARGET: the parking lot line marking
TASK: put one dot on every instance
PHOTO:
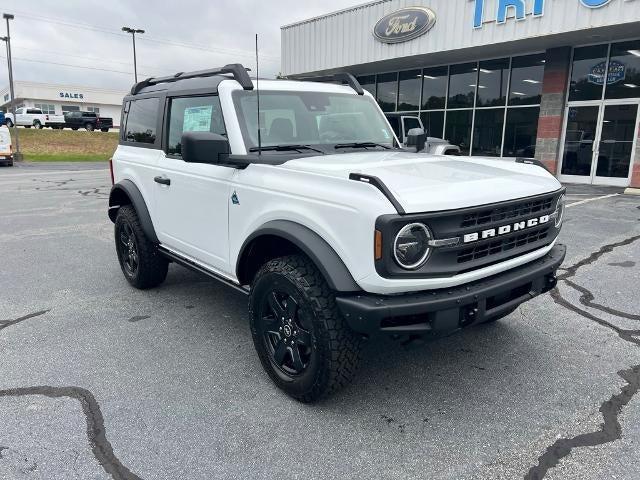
(582, 202)
(57, 172)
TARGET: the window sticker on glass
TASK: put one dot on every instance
(197, 119)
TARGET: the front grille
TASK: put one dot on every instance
(503, 245)
(499, 214)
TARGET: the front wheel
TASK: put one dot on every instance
(140, 261)
(8, 123)
(304, 344)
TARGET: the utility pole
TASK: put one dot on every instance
(17, 156)
(133, 32)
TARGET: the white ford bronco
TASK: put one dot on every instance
(298, 194)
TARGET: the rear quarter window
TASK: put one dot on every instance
(142, 119)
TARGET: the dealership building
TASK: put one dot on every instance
(558, 80)
(59, 99)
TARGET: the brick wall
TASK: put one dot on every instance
(556, 76)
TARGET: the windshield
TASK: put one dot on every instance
(319, 119)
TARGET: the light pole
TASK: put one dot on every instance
(17, 156)
(133, 32)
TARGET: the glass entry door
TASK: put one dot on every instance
(617, 144)
(600, 142)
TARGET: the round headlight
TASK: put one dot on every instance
(559, 210)
(411, 247)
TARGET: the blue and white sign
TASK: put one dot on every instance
(519, 8)
(617, 73)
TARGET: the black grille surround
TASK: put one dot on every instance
(465, 257)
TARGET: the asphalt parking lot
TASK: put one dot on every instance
(99, 381)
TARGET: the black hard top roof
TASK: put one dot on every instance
(208, 81)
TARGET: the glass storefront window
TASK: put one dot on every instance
(434, 88)
(458, 130)
(587, 74)
(409, 90)
(624, 70)
(487, 132)
(521, 132)
(368, 82)
(433, 123)
(387, 91)
(527, 74)
(462, 85)
(492, 83)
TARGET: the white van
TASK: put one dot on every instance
(6, 153)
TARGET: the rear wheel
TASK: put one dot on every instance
(303, 342)
(8, 123)
(37, 124)
(141, 263)
(104, 129)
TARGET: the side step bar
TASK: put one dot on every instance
(191, 265)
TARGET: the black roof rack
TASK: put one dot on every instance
(239, 73)
(344, 78)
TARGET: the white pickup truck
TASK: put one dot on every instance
(33, 117)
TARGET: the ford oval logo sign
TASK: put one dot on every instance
(404, 24)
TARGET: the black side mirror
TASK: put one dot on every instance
(416, 137)
(204, 147)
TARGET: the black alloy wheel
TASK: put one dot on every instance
(128, 250)
(285, 332)
(302, 340)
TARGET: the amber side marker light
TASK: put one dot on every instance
(377, 245)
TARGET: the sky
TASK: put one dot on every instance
(52, 40)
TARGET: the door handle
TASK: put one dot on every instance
(162, 180)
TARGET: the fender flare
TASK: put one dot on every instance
(311, 244)
(129, 189)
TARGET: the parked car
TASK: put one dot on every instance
(54, 121)
(306, 203)
(26, 117)
(88, 120)
(33, 117)
(6, 152)
(402, 124)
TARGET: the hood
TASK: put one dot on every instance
(426, 183)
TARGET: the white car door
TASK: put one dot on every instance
(192, 199)
(21, 117)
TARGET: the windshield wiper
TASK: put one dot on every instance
(285, 148)
(362, 145)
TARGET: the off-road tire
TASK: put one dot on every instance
(151, 268)
(336, 348)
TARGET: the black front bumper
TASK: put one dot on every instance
(441, 311)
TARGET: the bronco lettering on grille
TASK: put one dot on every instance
(505, 229)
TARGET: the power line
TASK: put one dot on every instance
(86, 26)
(73, 66)
(84, 57)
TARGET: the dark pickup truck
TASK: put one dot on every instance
(88, 120)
